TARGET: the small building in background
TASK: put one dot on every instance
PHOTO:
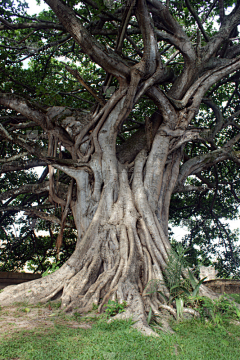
(209, 272)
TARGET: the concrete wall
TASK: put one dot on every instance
(11, 278)
(224, 286)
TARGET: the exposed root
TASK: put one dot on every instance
(79, 282)
(123, 252)
(165, 325)
(170, 309)
(39, 290)
(93, 294)
(136, 312)
(191, 312)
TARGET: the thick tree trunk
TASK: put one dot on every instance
(122, 249)
(123, 194)
(121, 215)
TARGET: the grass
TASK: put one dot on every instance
(193, 340)
(236, 298)
(206, 341)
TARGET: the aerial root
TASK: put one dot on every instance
(93, 294)
(83, 300)
(77, 283)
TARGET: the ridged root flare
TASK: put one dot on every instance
(116, 259)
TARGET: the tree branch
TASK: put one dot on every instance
(77, 76)
(150, 54)
(174, 33)
(21, 165)
(106, 58)
(24, 208)
(38, 26)
(195, 15)
(188, 188)
(200, 87)
(45, 216)
(24, 189)
(219, 118)
(229, 23)
(201, 162)
(13, 158)
(221, 10)
(32, 112)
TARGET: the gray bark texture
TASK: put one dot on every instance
(121, 197)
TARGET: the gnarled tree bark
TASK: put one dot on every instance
(123, 193)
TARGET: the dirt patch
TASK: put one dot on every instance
(21, 317)
(235, 322)
(79, 326)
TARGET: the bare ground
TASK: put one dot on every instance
(24, 317)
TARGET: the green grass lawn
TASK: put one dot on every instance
(118, 340)
(192, 340)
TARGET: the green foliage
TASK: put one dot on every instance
(149, 318)
(77, 316)
(26, 310)
(37, 251)
(55, 304)
(179, 287)
(184, 292)
(179, 307)
(173, 273)
(32, 68)
(194, 284)
(218, 311)
(114, 307)
(94, 306)
(205, 341)
(175, 266)
(51, 269)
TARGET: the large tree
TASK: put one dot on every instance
(158, 115)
